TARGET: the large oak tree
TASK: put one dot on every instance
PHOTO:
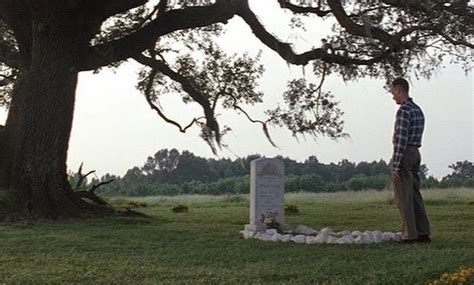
(45, 44)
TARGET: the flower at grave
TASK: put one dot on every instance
(270, 222)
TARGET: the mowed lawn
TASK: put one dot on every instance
(204, 244)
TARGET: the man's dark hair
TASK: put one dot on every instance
(402, 83)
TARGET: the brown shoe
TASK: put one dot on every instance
(408, 241)
(424, 239)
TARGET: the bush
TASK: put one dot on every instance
(180, 209)
(291, 209)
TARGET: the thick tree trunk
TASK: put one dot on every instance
(39, 123)
(38, 129)
(3, 158)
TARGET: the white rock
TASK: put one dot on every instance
(310, 239)
(326, 235)
(376, 233)
(398, 236)
(271, 231)
(286, 238)
(369, 239)
(305, 230)
(299, 239)
(264, 237)
(331, 239)
(346, 239)
(377, 236)
(388, 236)
(322, 237)
(248, 234)
(327, 230)
(364, 239)
(276, 237)
(377, 239)
(344, 233)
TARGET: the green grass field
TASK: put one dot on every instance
(204, 244)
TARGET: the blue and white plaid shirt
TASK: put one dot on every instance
(409, 125)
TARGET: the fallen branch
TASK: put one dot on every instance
(81, 176)
(90, 194)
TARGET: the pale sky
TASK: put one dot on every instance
(114, 129)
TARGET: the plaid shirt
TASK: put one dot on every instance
(409, 125)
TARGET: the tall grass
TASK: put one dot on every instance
(336, 197)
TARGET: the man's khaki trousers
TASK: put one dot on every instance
(408, 197)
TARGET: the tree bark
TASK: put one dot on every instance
(39, 123)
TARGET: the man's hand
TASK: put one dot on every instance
(396, 175)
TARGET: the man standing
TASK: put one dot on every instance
(409, 125)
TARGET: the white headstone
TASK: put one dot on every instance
(267, 189)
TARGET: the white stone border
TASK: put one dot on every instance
(304, 234)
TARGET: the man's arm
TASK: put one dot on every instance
(400, 138)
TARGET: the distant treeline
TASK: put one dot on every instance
(170, 172)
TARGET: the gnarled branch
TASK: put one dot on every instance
(149, 100)
(187, 87)
(462, 10)
(82, 177)
(109, 8)
(89, 194)
(285, 4)
(263, 123)
(360, 30)
(168, 22)
(456, 42)
(287, 53)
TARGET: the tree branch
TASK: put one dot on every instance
(462, 10)
(81, 176)
(170, 21)
(187, 86)
(109, 8)
(90, 194)
(360, 30)
(303, 10)
(161, 6)
(287, 53)
(456, 42)
(264, 124)
(17, 16)
(94, 187)
(149, 100)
